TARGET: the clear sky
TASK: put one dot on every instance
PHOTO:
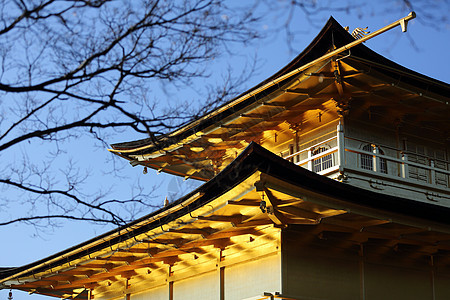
(422, 49)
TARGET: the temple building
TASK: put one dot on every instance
(328, 180)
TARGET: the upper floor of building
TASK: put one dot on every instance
(351, 115)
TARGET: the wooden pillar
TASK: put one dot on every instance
(433, 284)
(170, 290)
(341, 146)
(222, 283)
(127, 286)
(362, 287)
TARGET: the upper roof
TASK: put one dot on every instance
(363, 70)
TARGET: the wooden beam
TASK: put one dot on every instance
(315, 230)
(298, 212)
(106, 266)
(275, 104)
(193, 231)
(257, 116)
(338, 79)
(201, 243)
(244, 202)
(355, 224)
(60, 277)
(331, 213)
(168, 253)
(235, 219)
(277, 217)
(159, 241)
(298, 91)
(290, 202)
(396, 230)
(135, 250)
(303, 221)
(235, 125)
(128, 274)
(53, 293)
(34, 284)
(136, 265)
(126, 259)
(254, 223)
(232, 233)
(80, 283)
(78, 271)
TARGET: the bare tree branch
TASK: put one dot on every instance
(71, 69)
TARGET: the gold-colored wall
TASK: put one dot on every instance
(245, 280)
(252, 279)
(315, 268)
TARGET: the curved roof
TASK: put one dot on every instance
(203, 147)
(332, 36)
(232, 199)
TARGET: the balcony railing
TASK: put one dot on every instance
(339, 153)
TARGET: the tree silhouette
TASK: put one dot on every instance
(72, 69)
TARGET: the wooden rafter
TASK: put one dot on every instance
(236, 219)
(293, 210)
(253, 223)
(193, 231)
(126, 259)
(94, 265)
(217, 243)
(161, 241)
(356, 224)
(244, 202)
(277, 217)
(79, 272)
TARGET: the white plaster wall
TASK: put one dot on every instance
(158, 293)
(253, 278)
(205, 287)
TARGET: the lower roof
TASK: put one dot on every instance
(258, 194)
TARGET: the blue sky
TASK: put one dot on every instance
(422, 49)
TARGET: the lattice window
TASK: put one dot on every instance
(441, 163)
(416, 154)
(323, 162)
(368, 161)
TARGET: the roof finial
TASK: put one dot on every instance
(359, 32)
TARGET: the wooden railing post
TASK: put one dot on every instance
(405, 165)
(432, 172)
(310, 161)
(341, 147)
(376, 159)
